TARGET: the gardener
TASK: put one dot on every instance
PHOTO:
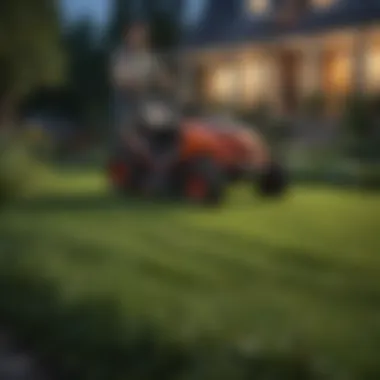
(135, 68)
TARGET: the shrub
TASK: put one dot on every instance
(357, 116)
(18, 169)
(369, 177)
(39, 141)
(359, 123)
(314, 105)
(259, 114)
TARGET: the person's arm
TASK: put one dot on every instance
(121, 75)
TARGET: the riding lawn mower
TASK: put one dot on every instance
(213, 153)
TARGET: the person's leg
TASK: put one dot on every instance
(164, 149)
(151, 179)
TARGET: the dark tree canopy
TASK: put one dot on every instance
(30, 51)
(163, 16)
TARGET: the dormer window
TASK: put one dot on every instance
(323, 4)
(288, 12)
(258, 7)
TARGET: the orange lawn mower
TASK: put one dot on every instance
(213, 152)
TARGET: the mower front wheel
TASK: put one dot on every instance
(273, 181)
(204, 182)
(124, 174)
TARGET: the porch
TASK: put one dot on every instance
(285, 72)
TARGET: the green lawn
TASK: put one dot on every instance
(307, 266)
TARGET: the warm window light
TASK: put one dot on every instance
(323, 4)
(340, 73)
(372, 68)
(258, 6)
(223, 82)
(255, 78)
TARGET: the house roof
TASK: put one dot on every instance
(225, 23)
(210, 29)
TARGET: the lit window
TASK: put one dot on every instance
(339, 73)
(223, 83)
(372, 68)
(258, 6)
(255, 73)
(323, 4)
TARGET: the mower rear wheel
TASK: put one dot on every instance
(204, 182)
(273, 181)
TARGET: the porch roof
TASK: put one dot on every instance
(225, 28)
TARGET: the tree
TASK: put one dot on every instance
(163, 16)
(120, 18)
(165, 19)
(87, 81)
(30, 51)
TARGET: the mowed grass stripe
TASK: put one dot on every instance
(242, 256)
(348, 224)
(220, 258)
(307, 265)
(170, 260)
(160, 270)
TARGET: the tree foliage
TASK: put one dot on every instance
(120, 19)
(84, 97)
(163, 16)
(87, 79)
(30, 51)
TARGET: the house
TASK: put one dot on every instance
(282, 51)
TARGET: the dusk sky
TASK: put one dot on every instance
(100, 9)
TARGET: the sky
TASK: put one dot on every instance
(99, 10)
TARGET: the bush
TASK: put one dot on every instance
(343, 173)
(259, 115)
(276, 130)
(314, 106)
(18, 169)
(358, 116)
(369, 177)
(39, 141)
(360, 121)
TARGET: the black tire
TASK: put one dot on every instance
(209, 171)
(273, 181)
(131, 185)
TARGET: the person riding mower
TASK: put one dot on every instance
(160, 151)
(193, 158)
(138, 75)
(155, 141)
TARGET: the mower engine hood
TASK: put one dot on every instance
(237, 133)
(242, 143)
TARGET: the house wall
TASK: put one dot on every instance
(332, 63)
(372, 61)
